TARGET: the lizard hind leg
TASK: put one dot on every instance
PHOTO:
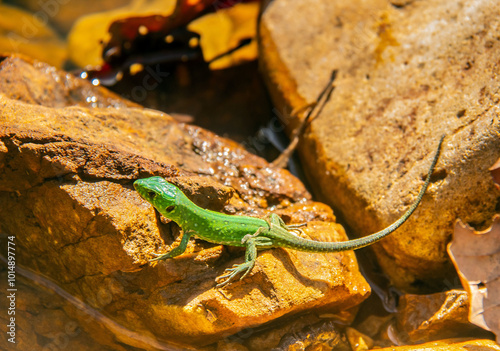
(296, 226)
(245, 268)
(252, 243)
(275, 220)
(296, 229)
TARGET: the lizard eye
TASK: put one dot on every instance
(170, 208)
(151, 194)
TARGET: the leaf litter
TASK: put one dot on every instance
(476, 256)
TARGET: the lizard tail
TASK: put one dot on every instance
(317, 246)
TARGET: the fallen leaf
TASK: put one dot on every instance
(22, 32)
(225, 30)
(164, 31)
(89, 35)
(476, 256)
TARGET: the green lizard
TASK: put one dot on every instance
(250, 232)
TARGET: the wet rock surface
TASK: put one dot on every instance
(69, 153)
(408, 72)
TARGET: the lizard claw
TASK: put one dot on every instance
(231, 273)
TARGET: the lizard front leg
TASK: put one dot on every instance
(179, 250)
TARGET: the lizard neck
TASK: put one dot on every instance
(189, 215)
(178, 210)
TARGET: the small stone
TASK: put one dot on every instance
(358, 340)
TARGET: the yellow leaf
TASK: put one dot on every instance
(89, 32)
(23, 32)
(223, 30)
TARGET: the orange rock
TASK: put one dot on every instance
(304, 332)
(422, 318)
(448, 345)
(69, 154)
(358, 340)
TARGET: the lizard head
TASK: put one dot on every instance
(158, 192)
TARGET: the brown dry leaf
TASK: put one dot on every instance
(91, 30)
(221, 32)
(224, 30)
(495, 173)
(476, 256)
(23, 32)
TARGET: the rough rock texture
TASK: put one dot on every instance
(437, 316)
(307, 331)
(408, 72)
(358, 340)
(48, 319)
(69, 153)
(448, 345)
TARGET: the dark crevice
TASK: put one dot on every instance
(398, 6)
(497, 206)
(438, 175)
(461, 113)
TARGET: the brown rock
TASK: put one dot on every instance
(406, 75)
(45, 320)
(41, 85)
(448, 345)
(66, 173)
(375, 326)
(322, 336)
(423, 318)
(230, 346)
(358, 340)
(304, 332)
